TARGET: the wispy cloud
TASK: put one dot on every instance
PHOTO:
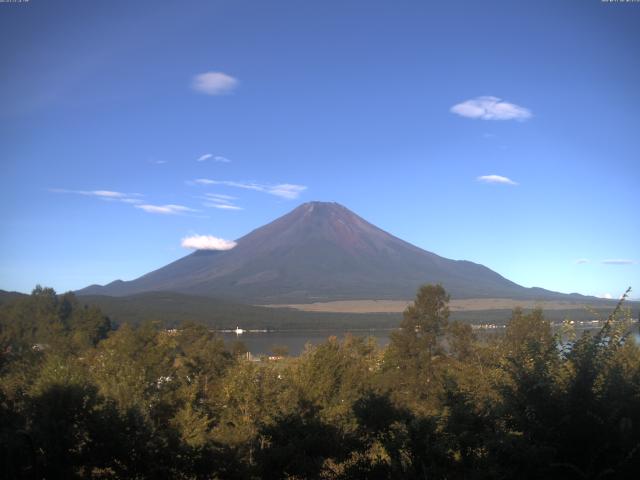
(108, 194)
(214, 83)
(91, 193)
(608, 296)
(222, 206)
(496, 179)
(207, 242)
(618, 261)
(582, 261)
(102, 194)
(220, 197)
(283, 190)
(216, 158)
(286, 190)
(166, 209)
(129, 198)
(220, 201)
(491, 108)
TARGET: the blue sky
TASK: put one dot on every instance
(128, 126)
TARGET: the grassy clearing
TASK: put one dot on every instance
(464, 305)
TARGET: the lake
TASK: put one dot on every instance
(262, 343)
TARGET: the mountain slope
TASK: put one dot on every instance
(320, 251)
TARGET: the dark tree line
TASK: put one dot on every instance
(80, 399)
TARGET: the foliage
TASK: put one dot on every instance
(416, 350)
(81, 400)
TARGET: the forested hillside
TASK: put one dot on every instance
(80, 399)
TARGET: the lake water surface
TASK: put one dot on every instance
(262, 343)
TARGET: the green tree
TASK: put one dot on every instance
(203, 359)
(250, 395)
(334, 374)
(136, 368)
(298, 445)
(416, 349)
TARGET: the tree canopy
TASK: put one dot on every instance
(82, 399)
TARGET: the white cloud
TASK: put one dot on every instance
(108, 194)
(220, 201)
(286, 190)
(618, 261)
(496, 179)
(283, 190)
(207, 242)
(214, 83)
(491, 108)
(216, 158)
(581, 261)
(91, 193)
(165, 209)
(103, 194)
(606, 295)
(222, 206)
(204, 181)
(220, 196)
